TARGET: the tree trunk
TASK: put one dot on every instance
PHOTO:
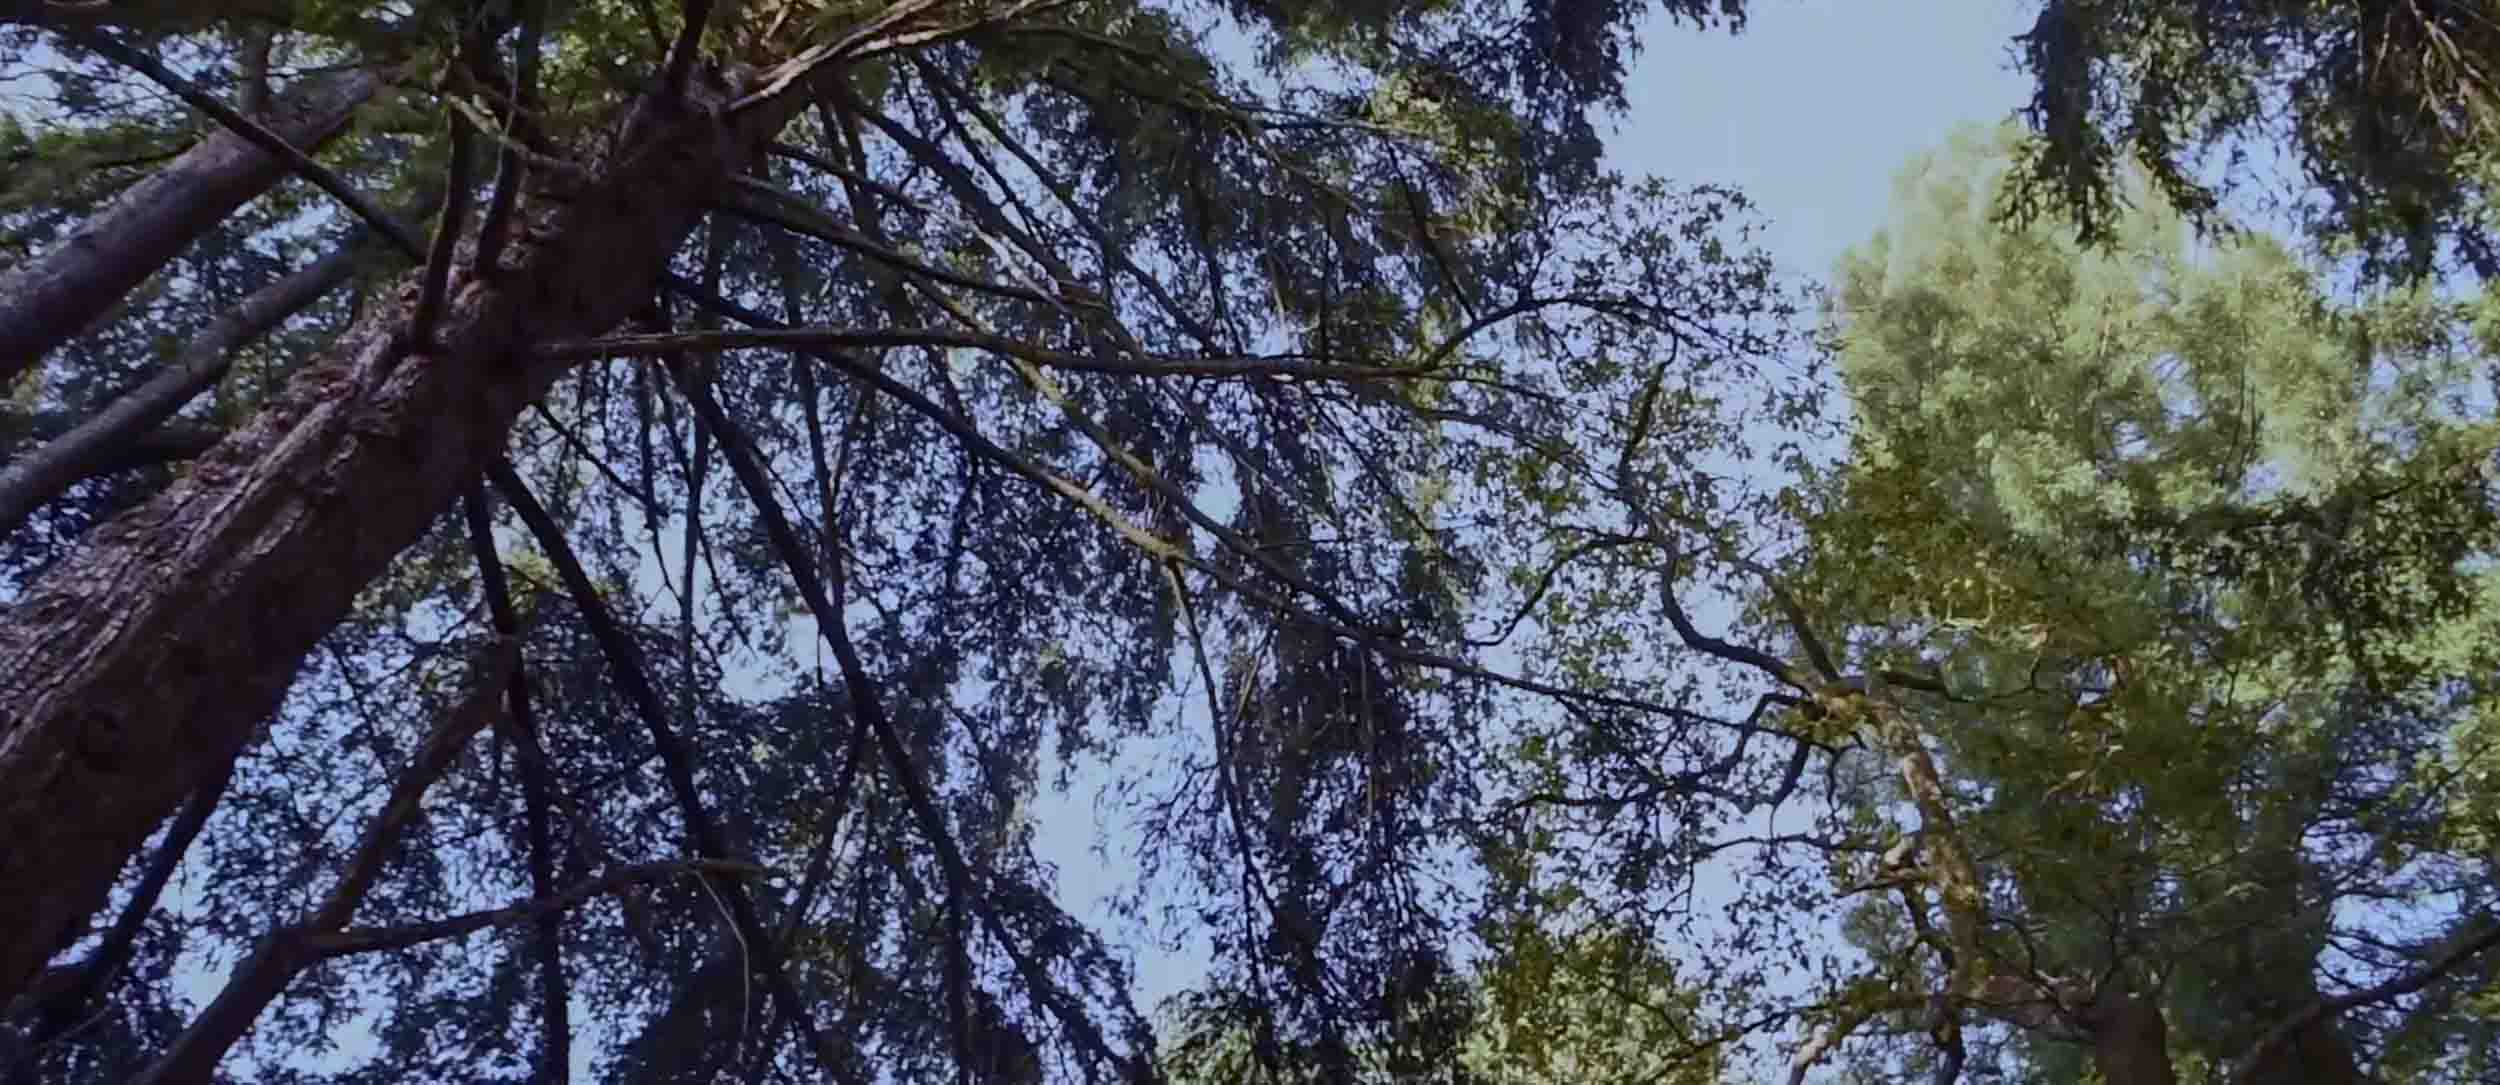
(135, 668)
(2131, 1046)
(2130, 1041)
(2318, 1054)
(59, 294)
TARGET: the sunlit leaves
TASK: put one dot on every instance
(2121, 501)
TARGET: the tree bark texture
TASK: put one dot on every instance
(2130, 1041)
(80, 278)
(2131, 1046)
(135, 668)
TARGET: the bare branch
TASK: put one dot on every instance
(296, 160)
(681, 53)
(2461, 950)
(438, 257)
(511, 163)
(369, 939)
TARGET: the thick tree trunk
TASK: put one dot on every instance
(2131, 1046)
(2130, 1041)
(59, 294)
(134, 669)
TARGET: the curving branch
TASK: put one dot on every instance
(2461, 950)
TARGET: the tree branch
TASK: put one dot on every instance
(301, 163)
(1280, 366)
(865, 702)
(1023, 467)
(632, 676)
(2464, 949)
(369, 939)
(438, 258)
(537, 790)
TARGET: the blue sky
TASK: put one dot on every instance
(1812, 109)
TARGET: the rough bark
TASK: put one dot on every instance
(2130, 1041)
(101, 441)
(136, 667)
(61, 293)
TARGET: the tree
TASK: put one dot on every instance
(1592, 1005)
(2388, 109)
(1555, 1002)
(2184, 566)
(1008, 349)
(2107, 704)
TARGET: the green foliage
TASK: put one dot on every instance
(1597, 1006)
(2202, 555)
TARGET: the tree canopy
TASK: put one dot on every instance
(2191, 563)
(589, 539)
(2388, 110)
